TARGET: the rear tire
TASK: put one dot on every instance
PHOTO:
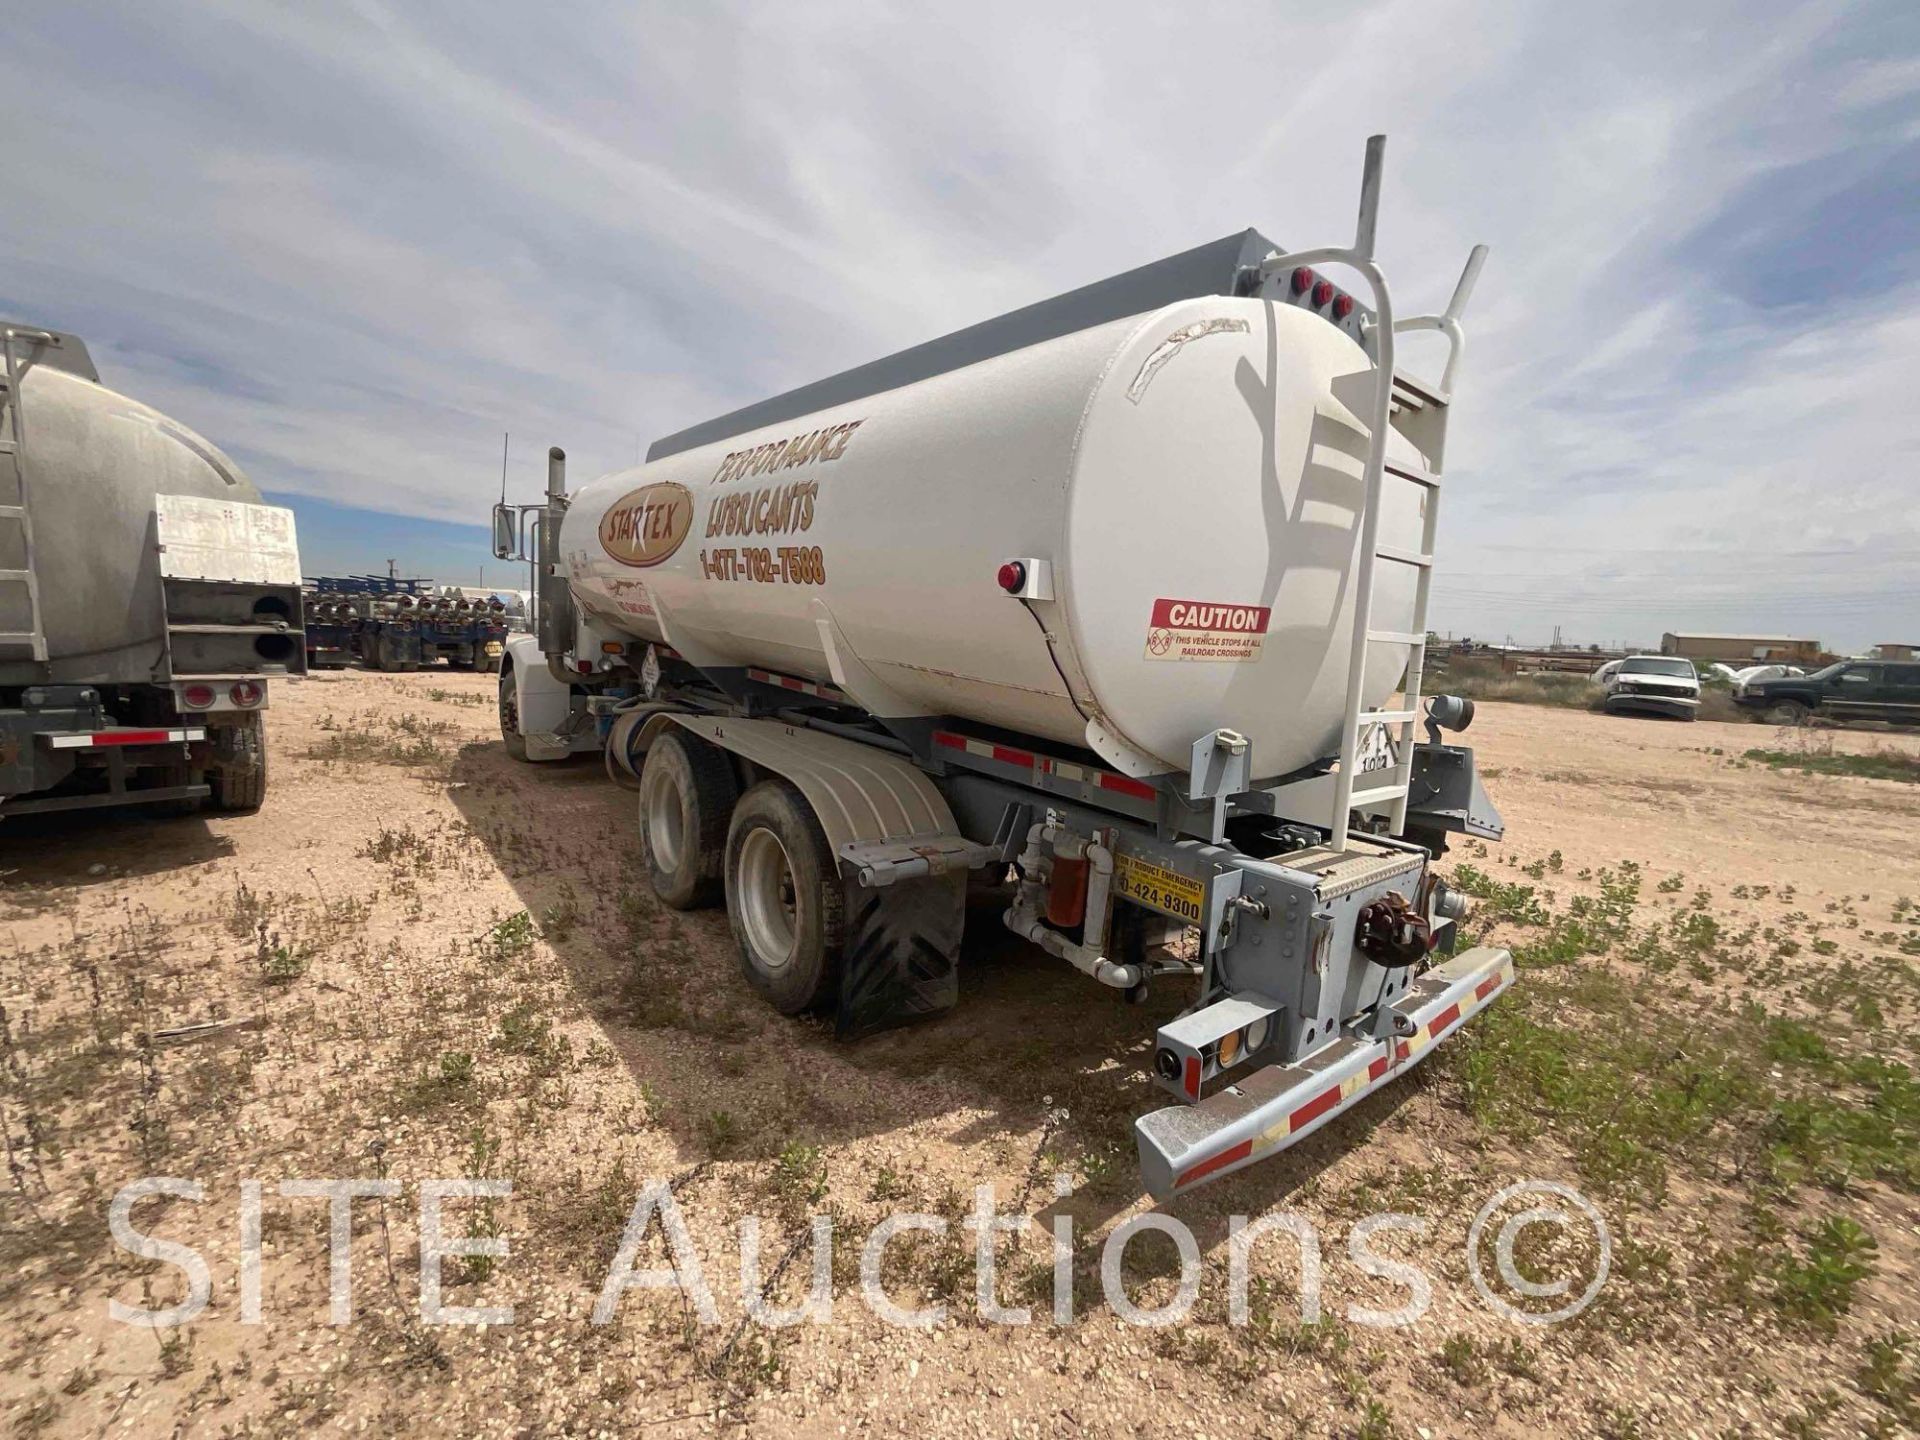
(687, 791)
(1787, 712)
(510, 735)
(178, 775)
(238, 774)
(784, 901)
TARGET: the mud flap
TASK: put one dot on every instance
(901, 954)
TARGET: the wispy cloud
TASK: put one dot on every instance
(352, 244)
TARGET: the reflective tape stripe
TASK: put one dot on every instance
(1231, 1155)
(1316, 1107)
(1046, 765)
(793, 682)
(92, 739)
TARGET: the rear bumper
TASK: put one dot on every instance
(37, 764)
(1185, 1146)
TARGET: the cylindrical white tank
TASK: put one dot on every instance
(1193, 477)
(95, 459)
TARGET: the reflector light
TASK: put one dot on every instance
(197, 697)
(1012, 576)
(1229, 1049)
(1323, 292)
(247, 693)
(1302, 278)
(1343, 307)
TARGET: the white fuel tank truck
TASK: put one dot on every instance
(1108, 600)
(147, 598)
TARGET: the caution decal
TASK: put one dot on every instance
(1206, 630)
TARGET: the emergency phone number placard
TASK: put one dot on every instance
(1159, 888)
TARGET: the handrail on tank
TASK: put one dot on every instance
(16, 410)
(1447, 322)
(1359, 256)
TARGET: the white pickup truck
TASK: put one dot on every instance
(1662, 684)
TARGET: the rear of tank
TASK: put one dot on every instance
(96, 459)
(1191, 477)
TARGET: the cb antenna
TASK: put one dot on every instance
(505, 436)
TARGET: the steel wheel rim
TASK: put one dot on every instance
(768, 899)
(666, 819)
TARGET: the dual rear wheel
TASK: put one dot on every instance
(763, 852)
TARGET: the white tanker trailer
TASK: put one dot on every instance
(1108, 599)
(147, 598)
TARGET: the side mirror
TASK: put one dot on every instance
(506, 537)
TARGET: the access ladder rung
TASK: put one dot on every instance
(1418, 392)
(1388, 717)
(1397, 637)
(1376, 795)
(1417, 558)
(1407, 471)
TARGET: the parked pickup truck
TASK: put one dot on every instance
(1851, 690)
(1663, 684)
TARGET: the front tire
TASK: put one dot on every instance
(783, 899)
(510, 736)
(687, 792)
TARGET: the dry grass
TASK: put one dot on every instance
(464, 976)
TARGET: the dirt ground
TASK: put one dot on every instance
(447, 965)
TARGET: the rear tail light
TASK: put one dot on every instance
(1323, 292)
(247, 693)
(196, 697)
(1302, 280)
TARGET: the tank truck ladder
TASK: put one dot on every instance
(1391, 391)
(15, 516)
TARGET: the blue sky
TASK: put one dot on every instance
(354, 243)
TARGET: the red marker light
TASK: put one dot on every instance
(197, 697)
(1012, 576)
(1302, 278)
(1323, 292)
(1343, 307)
